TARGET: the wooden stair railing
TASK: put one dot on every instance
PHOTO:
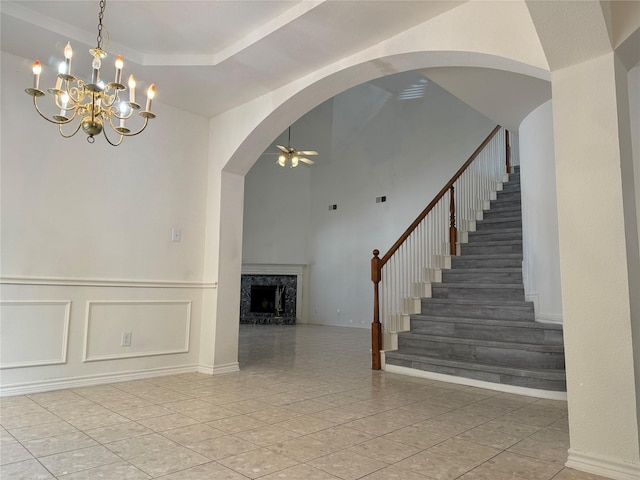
(480, 184)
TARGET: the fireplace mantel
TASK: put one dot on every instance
(279, 269)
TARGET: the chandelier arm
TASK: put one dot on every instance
(71, 134)
(35, 103)
(104, 132)
(146, 121)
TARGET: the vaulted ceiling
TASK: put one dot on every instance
(209, 56)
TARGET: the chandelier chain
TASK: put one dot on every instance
(100, 16)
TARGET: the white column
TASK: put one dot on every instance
(598, 266)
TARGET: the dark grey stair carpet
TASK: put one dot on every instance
(477, 323)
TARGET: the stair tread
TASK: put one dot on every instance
(491, 232)
(546, 373)
(489, 256)
(478, 285)
(486, 343)
(491, 243)
(497, 303)
(505, 218)
(526, 324)
(482, 270)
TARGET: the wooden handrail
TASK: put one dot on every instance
(377, 263)
(437, 198)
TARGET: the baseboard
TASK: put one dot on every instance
(91, 380)
(549, 318)
(606, 467)
(226, 368)
(541, 316)
(470, 382)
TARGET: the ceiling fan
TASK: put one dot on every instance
(292, 156)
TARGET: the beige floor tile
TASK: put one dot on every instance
(490, 438)
(138, 413)
(97, 421)
(27, 420)
(469, 451)
(571, 474)
(273, 414)
(305, 424)
(517, 430)
(437, 466)
(302, 449)
(339, 415)
(384, 450)
(347, 465)
(543, 451)
(25, 470)
(523, 467)
(257, 463)
(78, 460)
(119, 431)
(168, 461)
(236, 424)
(136, 446)
(12, 453)
(206, 471)
(265, 436)
(556, 436)
(60, 443)
(221, 447)
(59, 427)
(167, 422)
(6, 438)
(418, 436)
(341, 437)
(114, 471)
(306, 472)
(395, 473)
(192, 434)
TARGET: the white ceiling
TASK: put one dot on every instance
(209, 56)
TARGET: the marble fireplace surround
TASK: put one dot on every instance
(279, 269)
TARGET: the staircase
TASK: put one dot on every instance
(477, 323)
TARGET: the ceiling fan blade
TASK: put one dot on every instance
(307, 152)
(284, 149)
(306, 160)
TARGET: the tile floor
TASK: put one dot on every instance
(305, 405)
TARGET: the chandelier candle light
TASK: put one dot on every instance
(94, 104)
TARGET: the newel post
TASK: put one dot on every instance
(453, 231)
(376, 326)
(508, 150)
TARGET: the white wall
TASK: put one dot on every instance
(634, 113)
(541, 265)
(403, 149)
(90, 226)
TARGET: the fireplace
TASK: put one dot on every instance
(268, 299)
(263, 298)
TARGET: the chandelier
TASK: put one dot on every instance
(94, 105)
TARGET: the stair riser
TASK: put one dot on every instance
(498, 312)
(505, 203)
(463, 262)
(507, 195)
(519, 381)
(506, 212)
(493, 236)
(507, 223)
(486, 332)
(511, 187)
(480, 249)
(450, 276)
(443, 291)
(509, 357)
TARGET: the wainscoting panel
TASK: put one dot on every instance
(34, 333)
(156, 328)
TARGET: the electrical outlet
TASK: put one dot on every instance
(176, 235)
(125, 340)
